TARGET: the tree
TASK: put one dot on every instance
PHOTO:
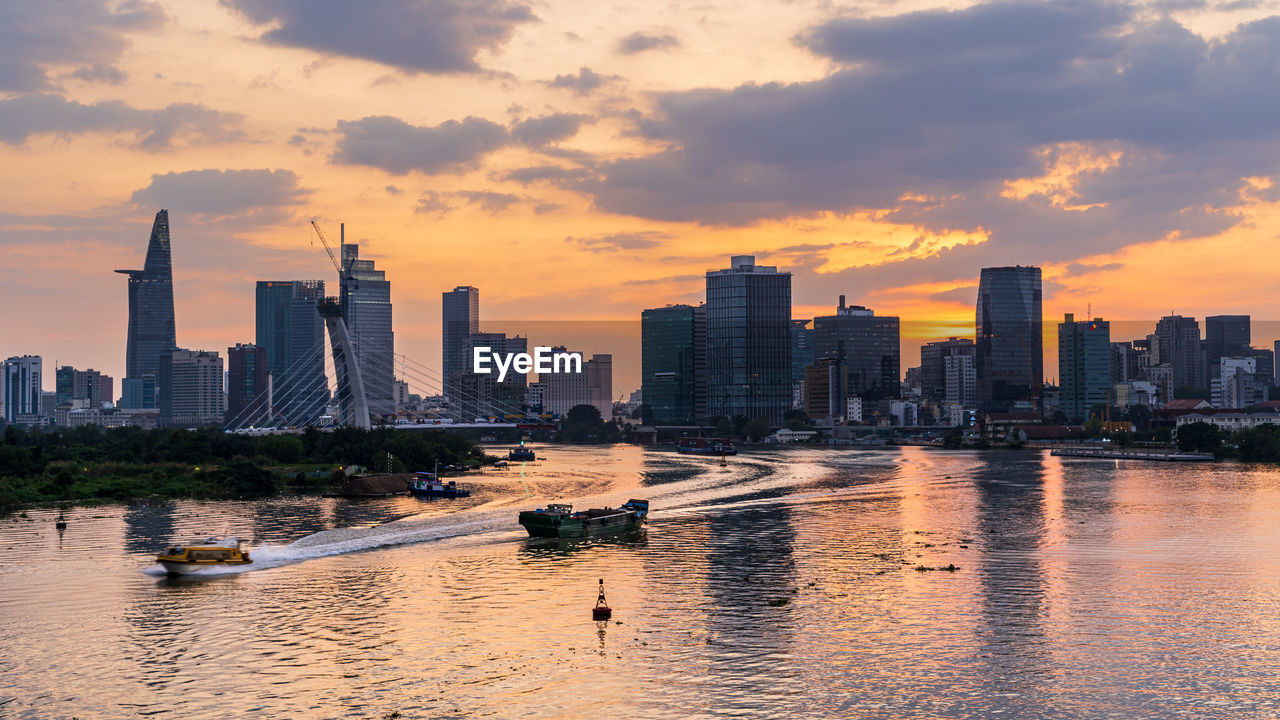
(756, 429)
(1199, 437)
(584, 414)
(723, 428)
(954, 439)
(1140, 416)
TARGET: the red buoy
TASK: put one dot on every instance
(601, 611)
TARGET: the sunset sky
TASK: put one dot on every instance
(584, 160)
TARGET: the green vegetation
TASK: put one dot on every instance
(90, 463)
(583, 423)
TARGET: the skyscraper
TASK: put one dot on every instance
(1084, 365)
(366, 308)
(933, 378)
(600, 383)
(290, 330)
(868, 345)
(1010, 348)
(248, 386)
(90, 387)
(1177, 344)
(673, 364)
(481, 395)
(1224, 336)
(749, 341)
(461, 318)
(151, 323)
(23, 388)
(193, 382)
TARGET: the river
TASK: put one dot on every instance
(788, 584)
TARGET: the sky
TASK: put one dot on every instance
(581, 161)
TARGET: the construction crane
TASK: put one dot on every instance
(328, 248)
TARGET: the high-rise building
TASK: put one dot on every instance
(87, 388)
(1010, 348)
(366, 308)
(481, 395)
(1234, 384)
(192, 382)
(1084, 365)
(825, 399)
(1177, 344)
(933, 380)
(248, 386)
(23, 389)
(749, 341)
(1224, 336)
(461, 318)
(960, 379)
(290, 331)
(151, 323)
(801, 348)
(600, 383)
(868, 345)
(1266, 364)
(562, 391)
(1127, 362)
(673, 364)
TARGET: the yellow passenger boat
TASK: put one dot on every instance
(178, 559)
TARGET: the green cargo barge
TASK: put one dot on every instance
(558, 520)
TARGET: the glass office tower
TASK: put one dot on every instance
(291, 332)
(1084, 366)
(461, 319)
(867, 347)
(366, 308)
(1010, 345)
(749, 341)
(673, 365)
(151, 324)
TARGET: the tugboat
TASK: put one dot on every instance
(705, 446)
(521, 453)
(178, 559)
(428, 484)
(558, 520)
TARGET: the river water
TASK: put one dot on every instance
(782, 585)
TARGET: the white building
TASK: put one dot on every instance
(564, 390)
(23, 389)
(1230, 420)
(961, 380)
(853, 409)
(1134, 392)
(1234, 387)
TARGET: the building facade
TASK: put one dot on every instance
(192, 395)
(1009, 355)
(1177, 344)
(248, 386)
(366, 308)
(290, 330)
(868, 345)
(1224, 336)
(151, 333)
(23, 389)
(85, 388)
(599, 371)
(749, 341)
(960, 380)
(933, 380)
(1084, 366)
(673, 365)
(461, 319)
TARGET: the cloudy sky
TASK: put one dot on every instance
(583, 160)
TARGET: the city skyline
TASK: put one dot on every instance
(580, 166)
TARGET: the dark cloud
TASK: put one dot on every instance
(967, 295)
(100, 72)
(638, 42)
(538, 173)
(437, 203)
(433, 36)
(619, 241)
(547, 128)
(240, 197)
(36, 35)
(948, 106)
(27, 115)
(398, 147)
(393, 190)
(1076, 269)
(584, 83)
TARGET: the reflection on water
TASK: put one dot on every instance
(791, 583)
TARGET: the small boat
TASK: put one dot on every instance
(428, 484)
(521, 453)
(705, 446)
(178, 559)
(558, 520)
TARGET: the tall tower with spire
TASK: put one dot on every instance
(151, 324)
